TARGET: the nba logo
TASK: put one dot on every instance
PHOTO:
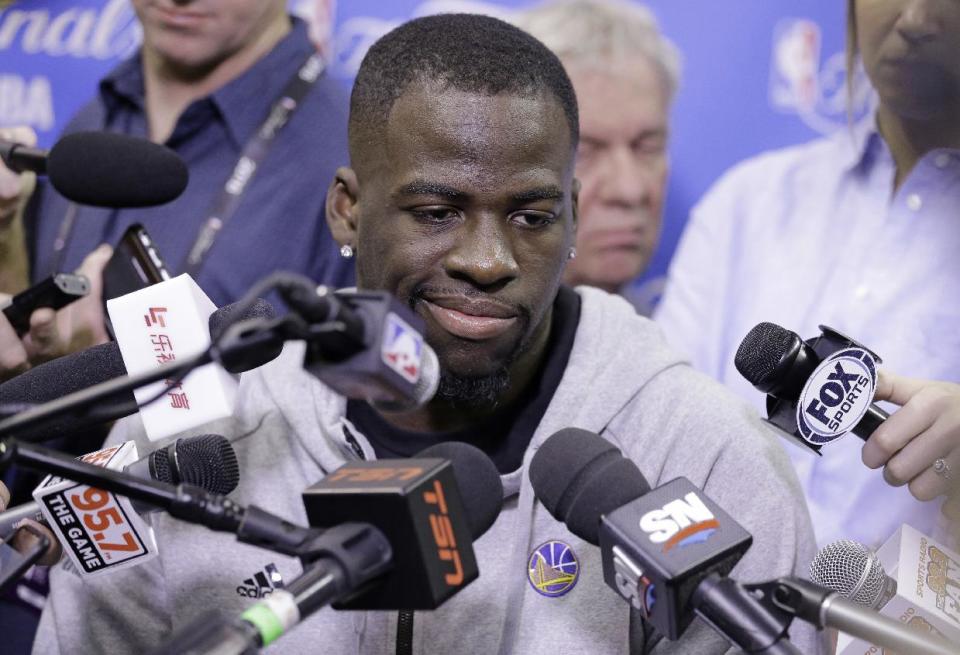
(402, 348)
(794, 84)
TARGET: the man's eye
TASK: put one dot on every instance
(533, 219)
(434, 214)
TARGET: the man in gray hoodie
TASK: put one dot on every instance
(461, 201)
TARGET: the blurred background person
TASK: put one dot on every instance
(625, 74)
(859, 232)
(206, 78)
(204, 82)
(15, 189)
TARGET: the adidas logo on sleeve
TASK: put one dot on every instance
(262, 583)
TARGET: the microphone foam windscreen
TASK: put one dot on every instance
(114, 170)
(208, 461)
(230, 314)
(762, 350)
(64, 375)
(852, 570)
(579, 476)
(478, 480)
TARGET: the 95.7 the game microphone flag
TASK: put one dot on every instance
(100, 531)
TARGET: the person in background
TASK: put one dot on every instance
(860, 232)
(625, 73)
(15, 189)
(204, 82)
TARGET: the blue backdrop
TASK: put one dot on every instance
(757, 74)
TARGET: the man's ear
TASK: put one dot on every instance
(342, 198)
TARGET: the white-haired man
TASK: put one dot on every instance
(625, 74)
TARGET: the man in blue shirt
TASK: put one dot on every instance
(203, 84)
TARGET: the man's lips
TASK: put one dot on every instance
(468, 318)
(179, 17)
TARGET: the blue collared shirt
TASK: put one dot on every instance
(813, 235)
(280, 222)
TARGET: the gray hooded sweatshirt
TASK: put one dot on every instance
(621, 381)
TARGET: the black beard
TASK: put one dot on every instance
(473, 391)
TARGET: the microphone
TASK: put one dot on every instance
(101, 529)
(104, 169)
(375, 352)
(818, 389)
(825, 608)
(86, 368)
(917, 591)
(429, 509)
(364, 485)
(207, 461)
(664, 551)
(855, 572)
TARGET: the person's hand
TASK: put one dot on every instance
(919, 444)
(14, 187)
(53, 334)
(23, 540)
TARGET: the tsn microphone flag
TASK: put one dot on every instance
(100, 531)
(157, 325)
(927, 597)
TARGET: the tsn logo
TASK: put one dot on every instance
(442, 530)
(680, 522)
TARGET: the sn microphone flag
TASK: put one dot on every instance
(160, 324)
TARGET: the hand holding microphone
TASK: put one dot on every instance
(53, 334)
(23, 541)
(919, 445)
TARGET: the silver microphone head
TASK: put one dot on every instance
(853, 571)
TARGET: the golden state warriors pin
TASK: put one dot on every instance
(553, 569)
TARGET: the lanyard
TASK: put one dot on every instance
(252, 155)
(254, 152)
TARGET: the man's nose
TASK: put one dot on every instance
(626, 178)
(483, 254)
(918, 22)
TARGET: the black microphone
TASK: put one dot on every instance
(104, 169)
(429, 509)
(79, 370)
(818, 389)
(664, 551)
(414, 530)
(370, 346)
(207, 461)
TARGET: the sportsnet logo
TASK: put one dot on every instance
(262, 583)
(680, 522)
